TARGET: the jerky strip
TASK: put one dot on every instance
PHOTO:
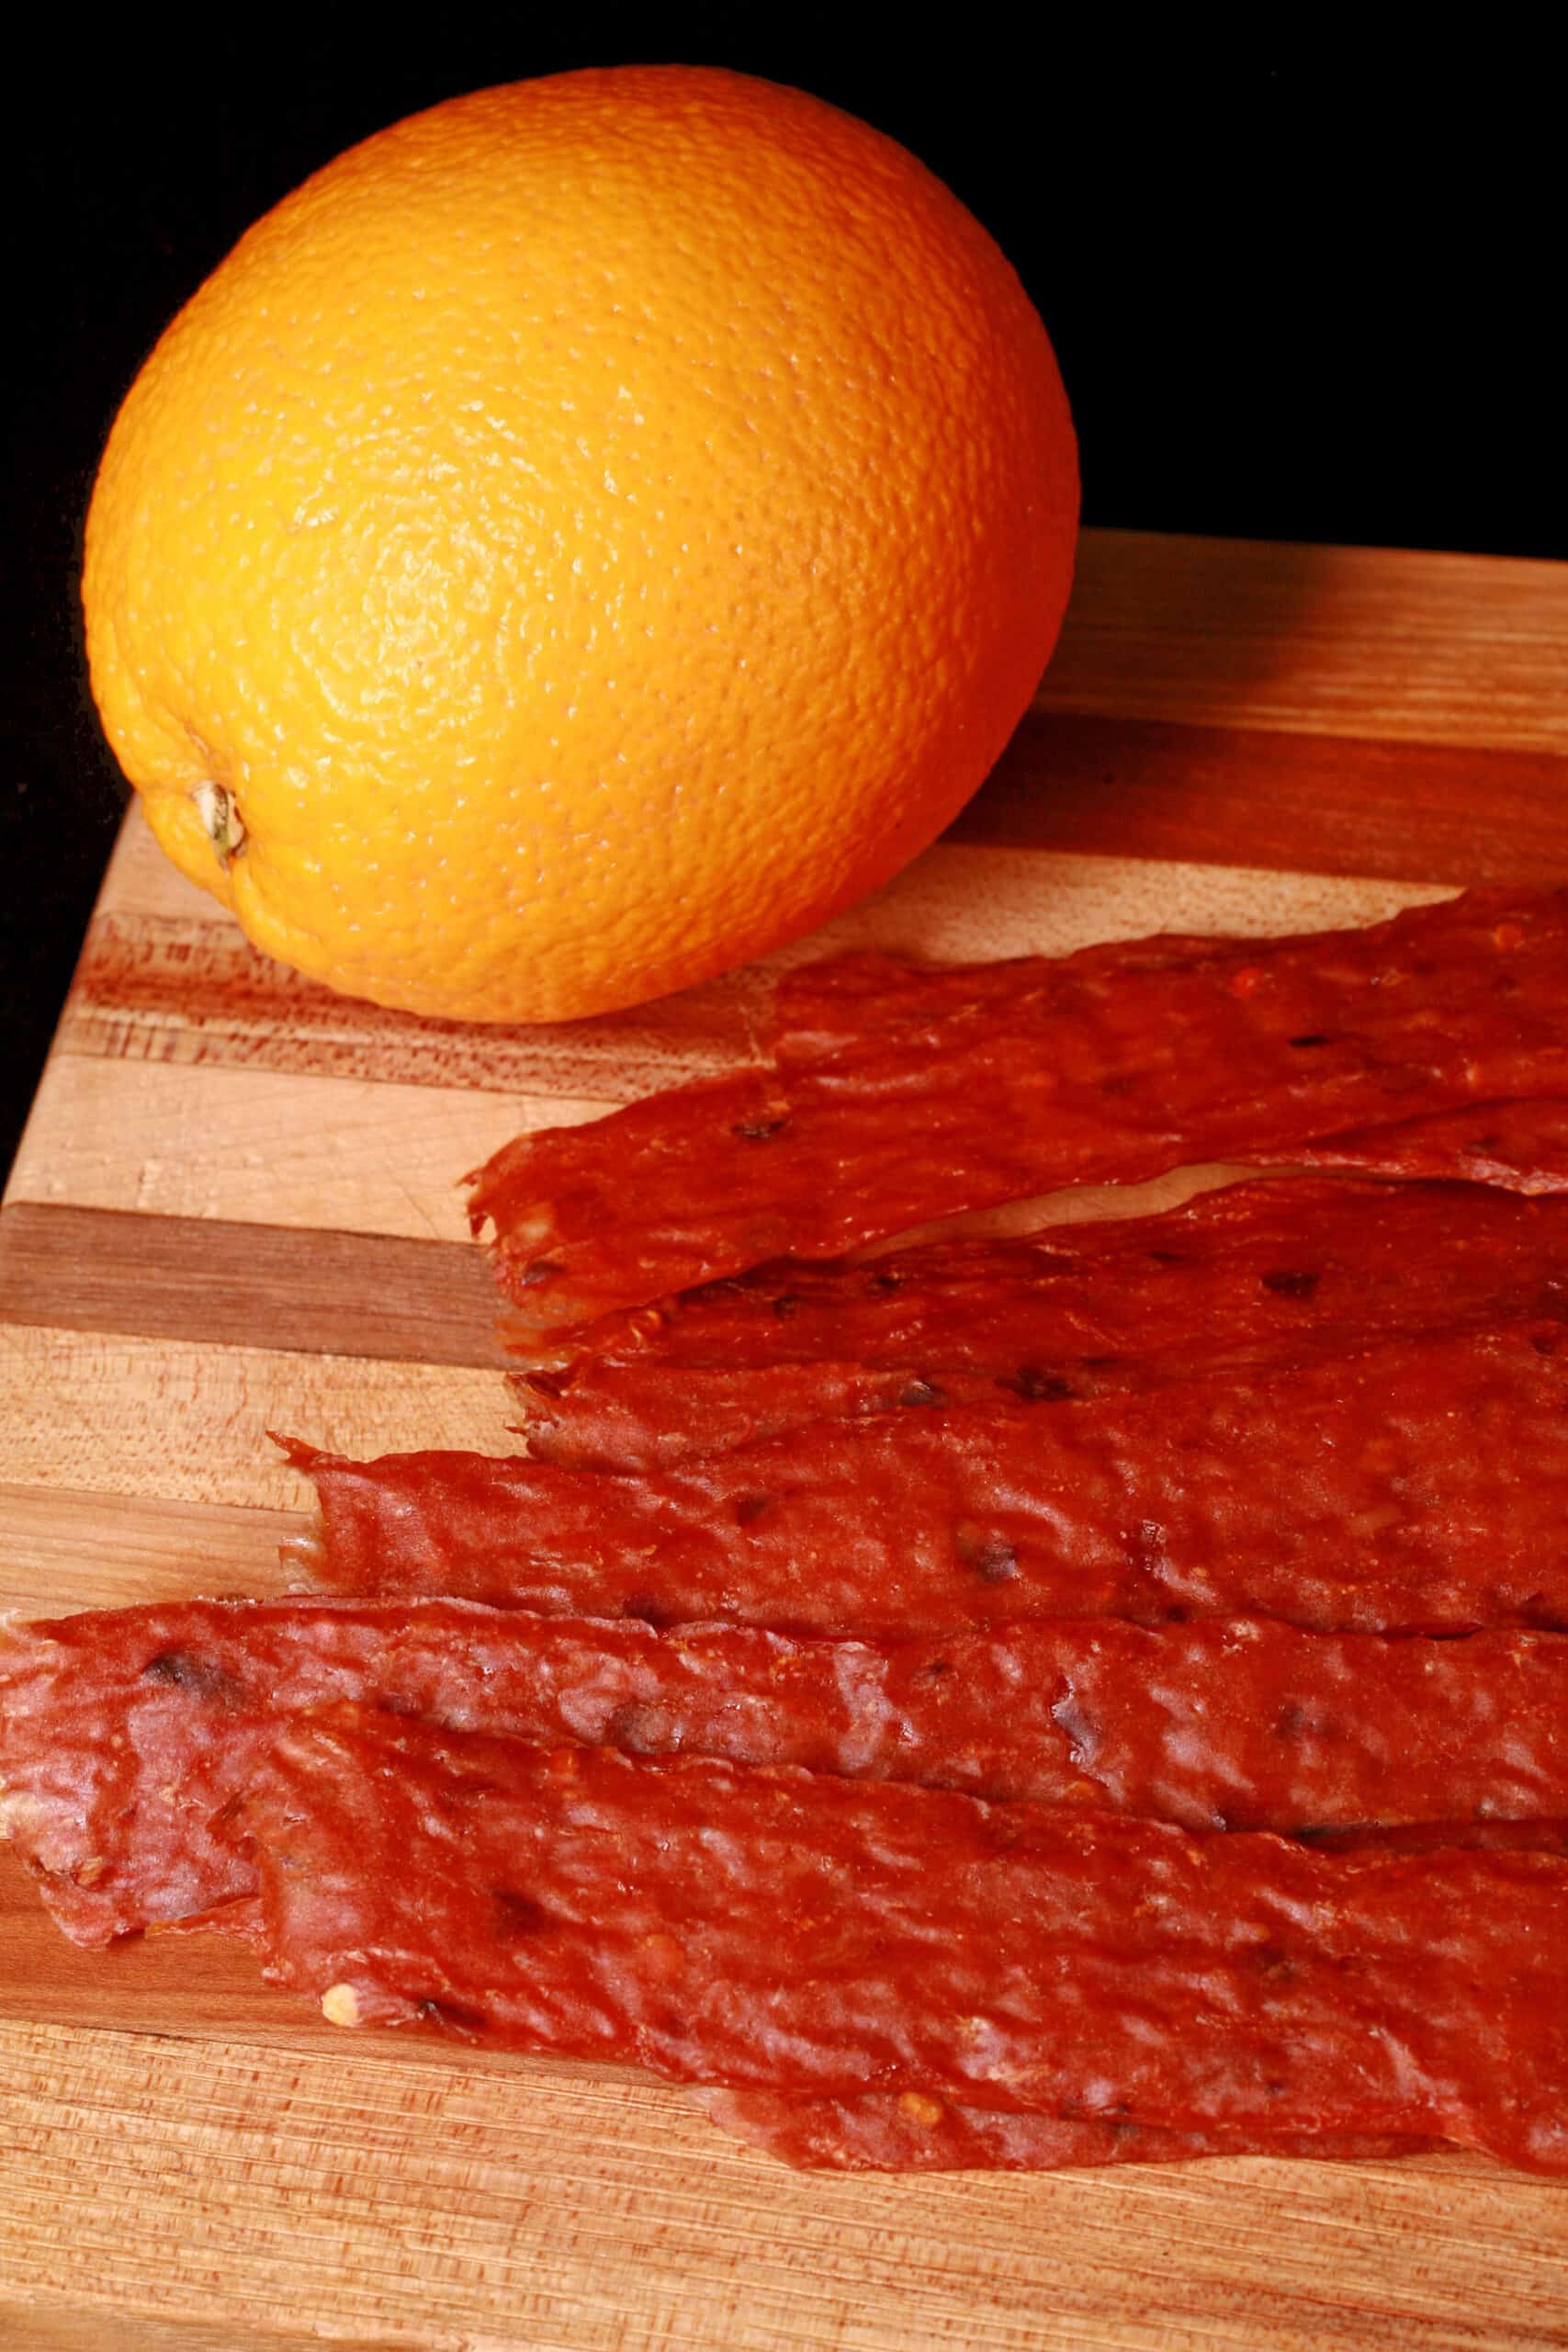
(838, 1008)
(126, 1735)
(1516, 1147)
(1288, 1269)
(787, 1931)
(911, 2131)
(1421, 1486)
(1112, 1065)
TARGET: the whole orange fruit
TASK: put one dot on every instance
(582, 539)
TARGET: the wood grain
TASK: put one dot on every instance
(1376, 643)
(188, 1139)
(1326, 804)
(180, 985)
(190, 1422)
(602, 2214)
(236, 1207)
(76, 1548)
(152, 989)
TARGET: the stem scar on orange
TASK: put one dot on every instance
(584, 537)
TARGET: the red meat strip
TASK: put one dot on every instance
(1517, 1147)
(1421, 1486)
(125, 1735)
(1288, 1269)
(992, 1083)
(911, 2131)
(838, 1008)
(787, 1931)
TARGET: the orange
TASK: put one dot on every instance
(584, 536)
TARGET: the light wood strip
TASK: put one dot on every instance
(158, 988)
(181, 1278)
(975, 903)
(62, 1549)
(174, 1419)
(260, 1146)
(264, 1148)
(235, 1124)
(445, 2206)
(61, 2327)
(1152, 788)
(1325, 803)
(140, 880)
(1049, 902)
(1374, 642)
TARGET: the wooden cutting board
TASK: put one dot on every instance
(236, 1209)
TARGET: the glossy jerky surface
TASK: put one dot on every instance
(1420, 1487)
(1291, 1268)
(1516, 1147)
(789, 1931)
(950, 1089)
(126, 1735)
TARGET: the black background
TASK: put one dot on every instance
(1297, 290)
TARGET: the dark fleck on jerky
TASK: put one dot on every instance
(1038, 1388)
(646, 1605)
(201, 1676)
(1288, 1283)
(451, 2016)
(992, 1557)
(641, 1730)
(519, 1915)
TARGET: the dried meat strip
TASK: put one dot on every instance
(1288, 1268)
(1516, 1147)
(836, 1008)
(125, 1735)
(1420, 1487)
(1255, 1260)
(994, 1083)
(788, 1931)
(911, 2131)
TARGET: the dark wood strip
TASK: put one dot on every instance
(298, 1289)
(1313, 804)
(152, 987)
